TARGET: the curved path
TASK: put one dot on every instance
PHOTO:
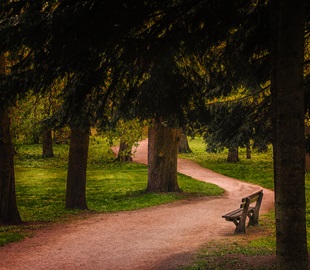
(158, 237)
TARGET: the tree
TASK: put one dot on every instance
(288, 24)
(128, 133)
(124, 152)
(9, 213)
(47, 149)
(164, 97)
(162, 157)
(183, 143)
(77, 165)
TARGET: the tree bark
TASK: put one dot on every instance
(124, 152)
(162, 158)
(233, 155)
(47, 144)
(183, 144)
(76, 179)
(307, 164)
(287, 38)
(8, 207)
(248, 150)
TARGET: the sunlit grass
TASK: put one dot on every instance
(124, 189)
(111, 186)
(257, 170)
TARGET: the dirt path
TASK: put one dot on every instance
(159, 237)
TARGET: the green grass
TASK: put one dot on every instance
(111, 186)
(232, 253)
(240, 253)
(257, 170)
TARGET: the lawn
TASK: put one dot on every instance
(259, 247)
(111, 186)
(257, 170)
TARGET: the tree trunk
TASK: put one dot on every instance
(124, 152)
(248, 150)
(76, 179)
(47, 144)
(307, 164)
(8, 207)
(183, 144)
(162, 158)
(233, 155)
(287, 37)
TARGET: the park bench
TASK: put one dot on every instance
(247, 209)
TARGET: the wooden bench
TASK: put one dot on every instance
(246, 209)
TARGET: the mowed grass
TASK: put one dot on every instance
(257, 170)
(111, 186)
(260, 244)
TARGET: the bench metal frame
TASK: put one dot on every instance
(238, 216)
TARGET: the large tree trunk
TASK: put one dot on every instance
(162, 158)
(8, 207)
(287, 20)
(76, 179)
(183, 144)
(47, 144)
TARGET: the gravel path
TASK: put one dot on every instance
(158, 237)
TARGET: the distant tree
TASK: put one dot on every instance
(124, 152)
(229, 127)
(183, 144)
(129, 133)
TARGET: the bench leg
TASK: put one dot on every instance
(240, 226)
(253, 218)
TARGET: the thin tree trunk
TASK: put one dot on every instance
(162, 158)
(233, 155)
(248, 150)
(183, 144)
(8, 207)
(124, 152)
(76, 179)
(287, 20)
(47, 144)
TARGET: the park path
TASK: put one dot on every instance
(158, 237)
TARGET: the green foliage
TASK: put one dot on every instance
(128, 132)
(28, 114)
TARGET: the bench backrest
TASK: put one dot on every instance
(255, 197)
